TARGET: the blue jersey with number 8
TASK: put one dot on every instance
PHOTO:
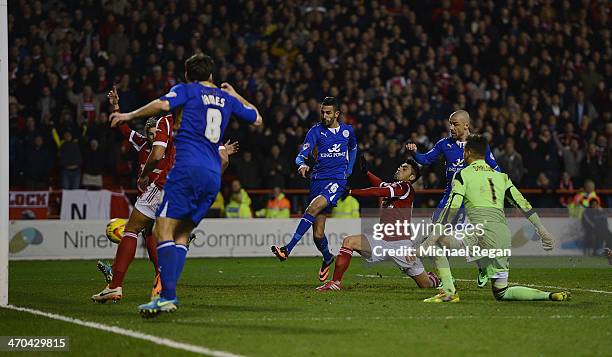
(205, 115)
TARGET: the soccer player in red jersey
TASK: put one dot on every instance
(397, 203)
(155, 157)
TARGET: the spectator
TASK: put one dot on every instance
(572, 156)
(155, 85)
(119, 43)
(432, 181)
(581, 108)
(391, 160)
(239, 205)
(46, 104)
(276, 168)
(217, 209)
(595, 225)
(277, 207)
(566, 184)
(124, 166)
(546, 199)
(93, 166)
(38, 164)
(347, 207)
(595, 163)
(70, 162)
(533, 162)
(396, 75)
(581, 199)
(247, 170)
(87, 104)
(511, 162)
(550, 159)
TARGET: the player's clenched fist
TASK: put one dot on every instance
(228, 88)
(303, 170)
(411, 147)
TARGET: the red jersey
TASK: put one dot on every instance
(398, 198)
(163, 137)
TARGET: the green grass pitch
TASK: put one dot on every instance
(262, 307)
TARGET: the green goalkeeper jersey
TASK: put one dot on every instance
(483, 191)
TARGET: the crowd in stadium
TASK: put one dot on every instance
(535, 77)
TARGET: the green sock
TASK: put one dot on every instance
(522, 293)
(445, 274)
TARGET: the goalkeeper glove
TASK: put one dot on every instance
(545, 236)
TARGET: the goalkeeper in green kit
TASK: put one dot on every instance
(483, 191)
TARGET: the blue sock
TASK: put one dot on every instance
(305, 224)
(323, 247)
(181, 255)
(167, 259)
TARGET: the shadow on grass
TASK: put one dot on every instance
(272, 326)
(243, 308)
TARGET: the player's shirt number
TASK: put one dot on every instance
(213, 125)
(332, 187)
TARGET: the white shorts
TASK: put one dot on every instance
(380, 251)
(149, 201)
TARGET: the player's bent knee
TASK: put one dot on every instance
(352, 242)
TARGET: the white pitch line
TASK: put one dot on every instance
(125, 332)
(528, 285)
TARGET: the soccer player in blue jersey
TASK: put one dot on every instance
(452, 150)
(335, 148)
(192, 185)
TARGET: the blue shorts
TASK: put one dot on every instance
(331, 189)
(459, 217)
(188, 193)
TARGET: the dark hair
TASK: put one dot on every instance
(151, 123)
(331, 101)
(477, 144)
(416, 169)
(199, 67)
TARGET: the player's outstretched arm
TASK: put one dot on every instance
(154, 107)
(385, 192)
(226, 87)
(516, 199)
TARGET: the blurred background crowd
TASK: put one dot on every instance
(534, 75)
